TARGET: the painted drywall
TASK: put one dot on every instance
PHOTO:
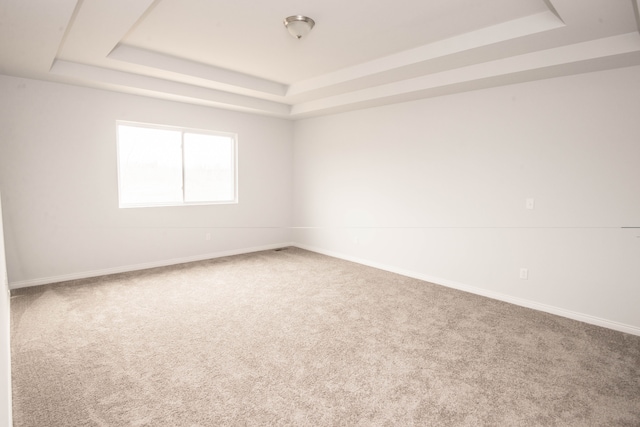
(58, 174)
(5, 348)
(436, 188)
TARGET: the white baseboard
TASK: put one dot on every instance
(144, 266)
(581, 317)
(586, 318)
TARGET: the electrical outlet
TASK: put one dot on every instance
(524, 273)
(530, 203)
(207, 236)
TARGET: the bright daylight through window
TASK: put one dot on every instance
(165, 166)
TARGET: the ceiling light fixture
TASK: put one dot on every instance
(298, 25)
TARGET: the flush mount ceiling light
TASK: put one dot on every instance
(298, 25)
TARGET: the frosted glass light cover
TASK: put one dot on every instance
(299, 26)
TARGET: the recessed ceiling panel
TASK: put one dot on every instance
(238, 55)
(248, 36)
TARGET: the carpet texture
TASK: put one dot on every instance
(296, 338)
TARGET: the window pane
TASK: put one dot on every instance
(208, 168)
(150, 165)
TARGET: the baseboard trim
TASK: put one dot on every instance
(586, 318)
(581, 317)
(144, 266)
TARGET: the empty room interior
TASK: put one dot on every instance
(223, 212)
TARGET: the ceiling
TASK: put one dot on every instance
(238, 55)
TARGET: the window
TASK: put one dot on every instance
(165, 166)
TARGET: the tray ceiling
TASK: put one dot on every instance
(238, 55)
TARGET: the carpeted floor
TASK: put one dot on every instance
(296, 338)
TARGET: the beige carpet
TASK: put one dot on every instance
(295, 338)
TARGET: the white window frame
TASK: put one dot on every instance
(182, 130)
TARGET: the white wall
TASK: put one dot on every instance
(436, 189)
(58, 175)
(5, 348)
(432, 188)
